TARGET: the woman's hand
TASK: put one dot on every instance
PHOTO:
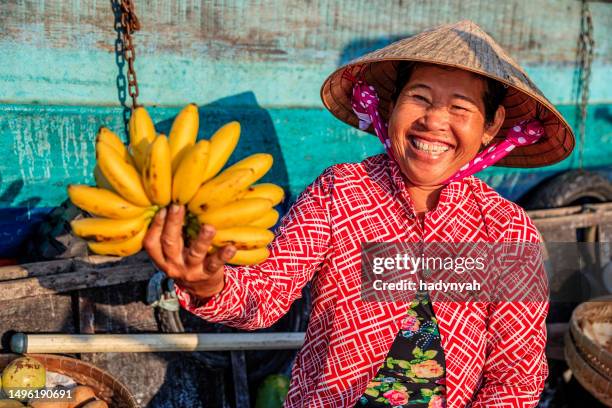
(192, 268)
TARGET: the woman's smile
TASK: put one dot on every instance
(428, 148)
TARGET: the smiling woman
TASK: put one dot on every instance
(425, 353)
(441, 118)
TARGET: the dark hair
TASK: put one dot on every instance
(494, 93)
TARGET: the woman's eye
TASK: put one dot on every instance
(459, 107)
(419, 97)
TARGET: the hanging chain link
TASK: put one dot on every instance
(585, 57)
(130, 24)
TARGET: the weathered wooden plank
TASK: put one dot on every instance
(536, 215)
(30, 270)
(122, 309)
(35, 269)
(279, 49)
(43, 314)
(574, 221)
(81, 279)
(274, 29)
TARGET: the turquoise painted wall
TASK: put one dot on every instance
(46, 147)
(261, 62)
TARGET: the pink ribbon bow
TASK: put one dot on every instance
(365, 105)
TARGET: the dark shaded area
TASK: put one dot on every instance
(560, 394)
(17, 219)
(187, 384)
(603, 113)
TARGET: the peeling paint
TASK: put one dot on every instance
(45, 148)
(63, 52)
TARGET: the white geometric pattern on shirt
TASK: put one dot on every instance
(347, 339)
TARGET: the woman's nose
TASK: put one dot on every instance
(435, 118)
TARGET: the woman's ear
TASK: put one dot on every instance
(492, 129)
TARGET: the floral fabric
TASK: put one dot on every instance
(413, 373)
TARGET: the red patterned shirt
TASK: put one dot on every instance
(494, 351)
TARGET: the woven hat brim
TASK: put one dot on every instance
(523, 100)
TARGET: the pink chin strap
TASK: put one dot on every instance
(365, 105)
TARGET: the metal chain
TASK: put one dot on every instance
(585, 55)
(130, 24)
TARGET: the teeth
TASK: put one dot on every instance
(429, 148)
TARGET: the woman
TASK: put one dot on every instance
(446, 94)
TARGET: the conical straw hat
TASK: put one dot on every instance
(462, 45)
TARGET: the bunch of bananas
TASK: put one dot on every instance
(134, 182)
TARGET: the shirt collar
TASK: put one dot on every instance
(451, 194)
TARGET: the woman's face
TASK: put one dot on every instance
(438, 123)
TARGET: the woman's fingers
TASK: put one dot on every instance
(215, 261)
(172, 234)
(152, 240)
(199, 247)
(227, 253)
(164, 243)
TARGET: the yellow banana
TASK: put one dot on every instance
(267, 220)
(157, 171)
(183, 133)
(236, 213)
(109, 137)
(121, 175)
(250, 256)
(142, 133)
(222, 145)
(189, 174)
(269, 191)
(219, 191)
(101, 181)
(228, 185)
(106, 229)
(103, 203)
(259, 163)
(243, 237)
(124, 247)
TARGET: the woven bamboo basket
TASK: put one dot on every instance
(106, 387)
(590, 361)
(596, 311)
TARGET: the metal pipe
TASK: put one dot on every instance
(149, 343)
